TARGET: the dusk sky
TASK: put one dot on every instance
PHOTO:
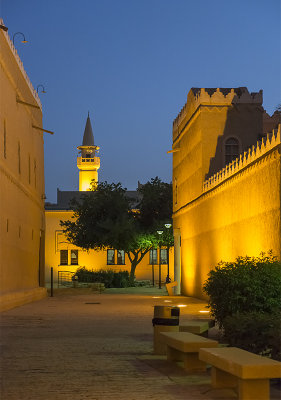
(131, 63)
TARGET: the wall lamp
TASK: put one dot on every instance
(43, 89)
(19, 33)
(168, 279)
(3, 27)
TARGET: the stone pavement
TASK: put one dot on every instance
(81, 345)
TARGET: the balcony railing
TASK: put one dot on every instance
(88, 161)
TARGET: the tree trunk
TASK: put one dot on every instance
(134, 264)
(135, 258)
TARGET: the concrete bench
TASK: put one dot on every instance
(248, 373)
(185, 346)
(170, 286)
(198, 327)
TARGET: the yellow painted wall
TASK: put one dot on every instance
(85, 179)
(21, 182)
(55, 241)
(240, 217)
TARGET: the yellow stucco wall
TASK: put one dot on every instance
(85, 179)
(22, 222)
(240, 217)
(236, 213)
(55, 241)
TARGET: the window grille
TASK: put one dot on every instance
(120, 257)
(153, 256)
(63, 257)
(110, 257)
(231, 150)
(164, 256)
(74, 257)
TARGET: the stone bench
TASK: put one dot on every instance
(185, 346)
(170, 286)
(248, 373)
(198, 327)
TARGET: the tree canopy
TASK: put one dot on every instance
(107, 217)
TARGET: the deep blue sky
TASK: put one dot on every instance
(131, 63)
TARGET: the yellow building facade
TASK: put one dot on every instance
(226, 183)
(64, 257)
(22, 225)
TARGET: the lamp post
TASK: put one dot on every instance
(43, 89)
(19, 33)
(152, 264)
(160, 233)
(168, 226)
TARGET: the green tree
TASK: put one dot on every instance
(156, 205)
(107, 217)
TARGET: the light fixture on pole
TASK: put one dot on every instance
(43, 89)
(160, 233)
(3, 27)
(152, 264)
(168, 226)
(19, 33)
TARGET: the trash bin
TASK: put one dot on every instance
(166, 319)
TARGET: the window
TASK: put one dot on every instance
(29, 175)
(153, 256)
(5, 140)
(35, 172)
(231, 150)
(120, 257)
(164, 258)
(74, 257)
(110, 257)
(19, 156)
(63, 257)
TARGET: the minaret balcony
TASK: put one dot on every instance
(88, 163)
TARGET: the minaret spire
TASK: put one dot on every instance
(87, 161)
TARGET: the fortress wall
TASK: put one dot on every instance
(22, 221)
(238, 214)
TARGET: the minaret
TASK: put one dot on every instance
(87, 161)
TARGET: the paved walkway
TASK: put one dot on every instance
(93, 346)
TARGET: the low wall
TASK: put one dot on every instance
(18, 298)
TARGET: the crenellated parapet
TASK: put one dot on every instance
(20, 64)
(216, 97)
(267, 144)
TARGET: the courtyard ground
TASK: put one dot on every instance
(82, 345)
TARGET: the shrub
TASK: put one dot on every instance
(108, 277)
(255, 332)
(249, 284)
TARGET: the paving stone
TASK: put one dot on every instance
(61, 348)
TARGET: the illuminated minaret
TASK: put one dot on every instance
(87, 161)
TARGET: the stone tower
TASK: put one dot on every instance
(87, 161)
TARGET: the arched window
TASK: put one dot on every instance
(231, 150)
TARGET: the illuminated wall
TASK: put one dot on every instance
(85, 179)
(236, 210)
(22, 221)
(56, 241)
